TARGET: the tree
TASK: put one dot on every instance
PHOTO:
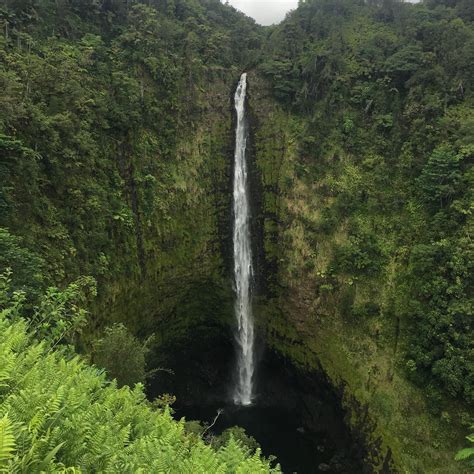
(122, 355)
(440, 178)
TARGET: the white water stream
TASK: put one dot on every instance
(243, 391)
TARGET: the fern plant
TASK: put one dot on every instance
(7, 442)
(59, 414)
(467, 454)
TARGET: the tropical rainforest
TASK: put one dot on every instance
(116, 161)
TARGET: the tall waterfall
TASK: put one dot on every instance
(243, 390)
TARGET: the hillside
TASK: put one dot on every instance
(117, 132)
(366, 165)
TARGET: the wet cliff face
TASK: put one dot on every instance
(328, 323)
(300, 319)
(185, 242)
(184, 294)
(194, 343)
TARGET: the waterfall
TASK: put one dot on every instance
(243, 390)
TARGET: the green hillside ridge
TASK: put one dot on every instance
(366, 163)
(116, 145)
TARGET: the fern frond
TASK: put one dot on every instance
(46, 462)
(63, 416)
(464, 454)
(7, 441)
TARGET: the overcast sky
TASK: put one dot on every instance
(267, 12)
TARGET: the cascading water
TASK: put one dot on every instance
(243, 391)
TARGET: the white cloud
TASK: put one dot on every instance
(267, 12)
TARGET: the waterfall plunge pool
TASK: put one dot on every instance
(296, 416)
(280, 432)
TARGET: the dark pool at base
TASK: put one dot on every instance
(297, 416)
(279, 433)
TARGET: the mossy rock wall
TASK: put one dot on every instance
(345, 327)
(187, 244)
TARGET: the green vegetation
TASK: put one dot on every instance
(374, 206)
(115, 138)
(467, 454)
(395, 153)
(58, 414)
(122, 355)
(98, 163)
(200, 429)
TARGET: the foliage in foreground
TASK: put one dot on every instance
(59, 415)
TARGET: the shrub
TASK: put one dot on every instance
(122, 355)
(467, 454)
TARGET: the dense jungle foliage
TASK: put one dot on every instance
(102, 108)
(387, 96)
(92, 92)
(382, 94)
